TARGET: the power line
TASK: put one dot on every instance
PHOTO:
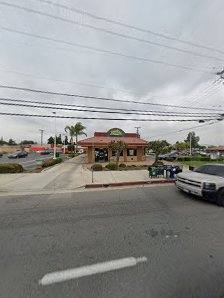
(101, 118)
(112, 21)
(103, 98)
(160, 62)
(141, 112)
(186, 129)
(63, 81)
(105, 112)
(110, 31)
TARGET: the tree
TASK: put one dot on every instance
(194, 139)
(11, 142)
(2, 142)
(66, 140)
(181, 146)
(58, 139)
(27, 142)
(50, 140)
(117, 147)
(159, 147)
(75, 131)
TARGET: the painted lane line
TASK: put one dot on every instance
(60, 276)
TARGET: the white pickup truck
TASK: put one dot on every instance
(206, 181)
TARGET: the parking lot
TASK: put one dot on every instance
(29, 162)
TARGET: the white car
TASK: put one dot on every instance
(206, 181)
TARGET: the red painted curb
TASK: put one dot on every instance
(105, 185)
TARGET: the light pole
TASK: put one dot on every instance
(190, 143)
(41, 136)
(55, 135)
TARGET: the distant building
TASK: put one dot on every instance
(216, 152)
(98, 146)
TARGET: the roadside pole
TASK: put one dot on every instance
(94, 159)
(55, 135)
(190, 144)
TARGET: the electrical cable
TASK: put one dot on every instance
(104, 112)
(101, 118)
(103, 98)
(112, 21)
(160, 62)
(110, 31)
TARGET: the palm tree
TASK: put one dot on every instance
(75, 131)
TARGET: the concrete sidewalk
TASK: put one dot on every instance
(67, 175)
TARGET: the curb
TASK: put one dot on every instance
(105, 185)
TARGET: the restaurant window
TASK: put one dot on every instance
(114, 153)
(132, 152)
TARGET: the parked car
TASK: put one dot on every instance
(44, 152)
(206, 181)
(18, 154)
(171, 155)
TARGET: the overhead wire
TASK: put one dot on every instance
(101, 118)
(104, 51)
(110, 31)
(104, 98)
(107, 108)
(116, 22)
(104, 112)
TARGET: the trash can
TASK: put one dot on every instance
(160, 171)
(152, 172)
(57, 154)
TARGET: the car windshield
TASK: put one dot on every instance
(211, 170)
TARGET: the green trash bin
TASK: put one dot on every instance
(152, 172)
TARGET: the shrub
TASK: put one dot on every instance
(169, 158)
(71, 155)
(71, 148)
(158, 163)
(122, 165)
(111, 166)
(205, 158)
(97, 167)
(51, 162)
(11, 168)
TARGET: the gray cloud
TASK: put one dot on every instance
(197, 21)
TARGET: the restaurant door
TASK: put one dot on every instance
(101, 154)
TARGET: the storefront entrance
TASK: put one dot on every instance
(101, 154)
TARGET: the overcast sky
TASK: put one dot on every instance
(46, 65)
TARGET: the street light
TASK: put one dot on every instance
(55, 135)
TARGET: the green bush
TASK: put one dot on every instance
(205, 158)
(158, 163)
(169, 158)
(71, 155)
(111, 166)
(51, 162)
(11, 168)
(71, 147)
(97, 167)
(122, 165)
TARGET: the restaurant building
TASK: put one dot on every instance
(98, 147)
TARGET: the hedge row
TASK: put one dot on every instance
(193, 158)
(11, 168)
(51, 162)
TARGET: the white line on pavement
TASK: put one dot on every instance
(59, 276)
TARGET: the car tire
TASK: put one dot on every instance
(220, 198)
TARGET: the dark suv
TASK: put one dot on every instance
(18, 154)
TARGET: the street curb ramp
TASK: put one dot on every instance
(117, 184)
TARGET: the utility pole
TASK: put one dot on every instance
(137, 130)
(190, 144)
(55, 135)
(41, 136)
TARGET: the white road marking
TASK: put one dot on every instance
(60, 276)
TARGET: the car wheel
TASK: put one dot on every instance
(220, 199)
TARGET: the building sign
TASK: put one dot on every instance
(116, 132)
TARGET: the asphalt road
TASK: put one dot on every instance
(29, 162)
(181, 237)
